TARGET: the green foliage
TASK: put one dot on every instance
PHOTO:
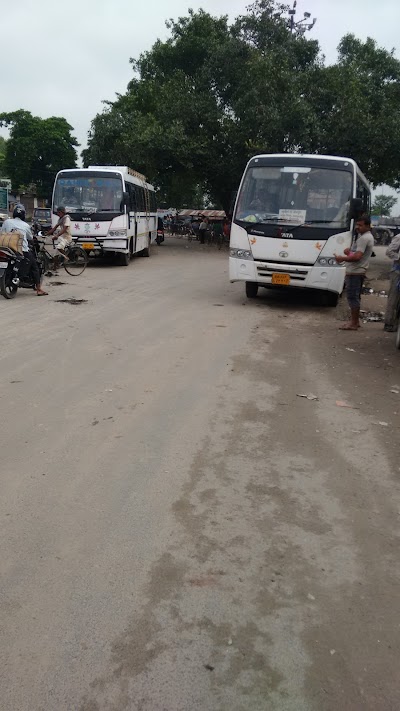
(3, 144)
(359, 100)
(36, 150)
(383, 205)
(212, 95)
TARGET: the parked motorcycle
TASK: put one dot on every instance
(10, 282)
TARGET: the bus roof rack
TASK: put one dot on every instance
(122, 168)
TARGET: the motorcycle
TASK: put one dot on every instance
(160, 231)
(10, 282)
(160, 236)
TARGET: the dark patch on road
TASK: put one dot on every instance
(74, 302)
(57, 283)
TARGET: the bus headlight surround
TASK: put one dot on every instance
(117, 233)
(241, 254)
(327, 262)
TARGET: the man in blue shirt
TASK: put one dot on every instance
(29, 265)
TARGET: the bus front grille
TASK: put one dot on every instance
(296, 273)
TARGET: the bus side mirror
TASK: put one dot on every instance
(125, 198)
(356, 208)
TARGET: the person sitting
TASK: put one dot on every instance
(29, 265)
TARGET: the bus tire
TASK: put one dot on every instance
(124, 259)
(329, 298)
(398, 338)
(251, 289)
(146, 250)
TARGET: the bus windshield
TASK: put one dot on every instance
(296, 195)
(89, 193)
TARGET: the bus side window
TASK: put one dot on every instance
(132, 202)
(363, 193)
(139, 192)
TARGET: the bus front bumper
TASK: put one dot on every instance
(102, 244)
(330, 278)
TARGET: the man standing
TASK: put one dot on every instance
(203, 230)
(392, 308)
(357, 262)
(29, 265)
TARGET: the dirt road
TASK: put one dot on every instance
(179, 530)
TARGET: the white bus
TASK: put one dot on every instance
(112, 209)
(292, 214)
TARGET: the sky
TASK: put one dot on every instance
(64, 59)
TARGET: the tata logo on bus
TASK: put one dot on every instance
(287, 235)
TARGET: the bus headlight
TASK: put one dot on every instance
(117, 233)
(327, 262)
(241, 253)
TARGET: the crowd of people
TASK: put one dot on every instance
(200, 227)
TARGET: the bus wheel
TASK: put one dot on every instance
(146, 250)
(398, 337)
(124, 259)
(329, 298)
(251, 289)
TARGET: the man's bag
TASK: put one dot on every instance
(13, 240)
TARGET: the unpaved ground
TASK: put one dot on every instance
(180, 530)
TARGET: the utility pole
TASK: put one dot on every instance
(303, 25)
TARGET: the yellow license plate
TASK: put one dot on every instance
(281, 279)
(88, 245)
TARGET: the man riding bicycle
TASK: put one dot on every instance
(62, 231)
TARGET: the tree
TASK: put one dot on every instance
(383, 205)
(359, 101)
(36, 150)
(196, 108)
(214, 94)
(3, 144)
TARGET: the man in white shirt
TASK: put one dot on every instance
(203, 230)
(29, 265)
(62, 231)
(357, 262)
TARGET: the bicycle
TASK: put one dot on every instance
(74, 265)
